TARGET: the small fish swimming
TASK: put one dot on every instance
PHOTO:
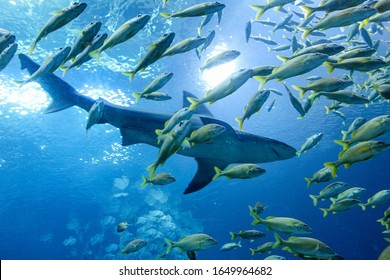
(340, 206)
(58, 20)
(360, 152)
(330, 191)
(154, 53)
(310, 143)
(241, 171)
(281, 224)
(95, 114)
(362, 64)
(209, 39)
(122, 226)
(305, 246)
(198, 10)
(262, 249)
(354, 192)
(331, 6)
(125, 32)
(277, 4)
(84, 38)
(251, 234)
(51, 64)
(206, 133)
(192, 243)
(85, 56)
(7, 54)
(369, 130)
(185, 46)
(134, 246)
(378, 198)
(254, 105)
(322, 175)
(358, 122)
(159, 179)
(223, 89)
(230, 246)
(219, 59)
(325, 84)
(154, 86)
(183, 114)
(294, 67)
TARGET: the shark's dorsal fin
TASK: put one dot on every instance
(200, 110)
(206, 120)
(204, 175)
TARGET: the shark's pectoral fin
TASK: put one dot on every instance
(58, 104)
(131, 136)
(204, 175)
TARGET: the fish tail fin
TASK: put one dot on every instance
(309, 181)
(343, 143)
(306, 31)
(240, 122)
(333, 168)
(152, 169)
(261, 79)
(165, 15)
(308, 10)
(345, 134)
(144, 181)
(278, 241)
(198, 52)
(253, 252)
(330, 66)
(326, 212)
(301, 90)
(259, 9)
(194, 102)
(387, 239)
(169, 244)
(327, 109)
(364, 206)
(32, 46)
(130, 74)
(95, 54)
(233, 235)
(66, 69)
(137, 96)
(298, 153)
(315, 199)
(218, 173)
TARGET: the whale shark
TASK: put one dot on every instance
(139, 125)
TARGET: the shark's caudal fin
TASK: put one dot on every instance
(200, 109)
(204, 174)
(63, 95)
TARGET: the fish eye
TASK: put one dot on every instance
(139, 15)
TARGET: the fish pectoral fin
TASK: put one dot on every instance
(204, 174)
(191, 255)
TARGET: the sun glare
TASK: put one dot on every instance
(30, 96)
(213, 76)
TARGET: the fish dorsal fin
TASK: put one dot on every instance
(200, 110)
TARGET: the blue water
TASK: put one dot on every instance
(63, 193)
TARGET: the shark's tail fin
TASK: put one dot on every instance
(54, 86)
